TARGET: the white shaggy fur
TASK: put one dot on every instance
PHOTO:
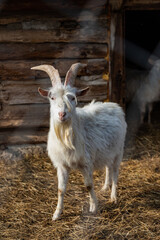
(143, 88)
(86, 139)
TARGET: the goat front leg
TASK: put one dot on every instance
(62, 174)
(88, 180)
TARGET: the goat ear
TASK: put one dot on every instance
(82, 91)
(42, 92)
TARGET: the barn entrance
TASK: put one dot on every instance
(142, 42)
(142, 37)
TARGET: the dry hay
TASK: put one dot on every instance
(29, 195)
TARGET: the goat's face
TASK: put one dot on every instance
(62, 97)
(63, 102)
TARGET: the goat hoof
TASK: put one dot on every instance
(56, 215)
(104, 188)
(93, 208)
(113, 200)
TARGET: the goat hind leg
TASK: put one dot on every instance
(115, 173)
(108, 177)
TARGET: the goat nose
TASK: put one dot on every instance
(61, 114)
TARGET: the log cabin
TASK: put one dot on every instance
(60, 33)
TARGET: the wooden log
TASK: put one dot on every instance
(54, 30)
(24, 51)
(31, 116)
(23, 136)
(58, 8)
(117, 64)
(25, 4)
(52, 23)
(21, 70)
(88, 15)
(14, 93)
(142, 3)
(95, 35)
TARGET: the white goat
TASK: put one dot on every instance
(143, 88)
(85, 138)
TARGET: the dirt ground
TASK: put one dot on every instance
(28, 197)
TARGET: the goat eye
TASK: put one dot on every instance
(52, 98)
(72, 99)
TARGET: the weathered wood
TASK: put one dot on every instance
(40, 5)
(132, 3)
(116, 4)
(50, 23)
(40, 31)
(23, 136)
(89, 15)
(14, 93)
(31, 116)
(141, 4)
(24, 51)
(21, 70)
(41, 36)
(117, 64)
(57, 8)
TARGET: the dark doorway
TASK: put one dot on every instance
(142, 37)
(142, 42)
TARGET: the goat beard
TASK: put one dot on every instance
(64, 133)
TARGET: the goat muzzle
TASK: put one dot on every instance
(62, 115)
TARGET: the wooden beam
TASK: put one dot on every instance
(54, 30)
(43, 36)
(23, 136)
(26, 116)
(24, 51)
(56, 7)
(142, 3)
(38, 18)
(21, 70)
(117, 62)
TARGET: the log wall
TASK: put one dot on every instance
(46, 32)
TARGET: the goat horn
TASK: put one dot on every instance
(51, 71)
(72, 73)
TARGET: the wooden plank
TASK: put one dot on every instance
(141, 2)
(23, 136)
(117, 64)
(8, 51)
(38, 4)
(14, 93)
(54, 30)
(21, 70)
(31, 116)
(95, 35)
(89, 15)
(51, 23)
(65, 8)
